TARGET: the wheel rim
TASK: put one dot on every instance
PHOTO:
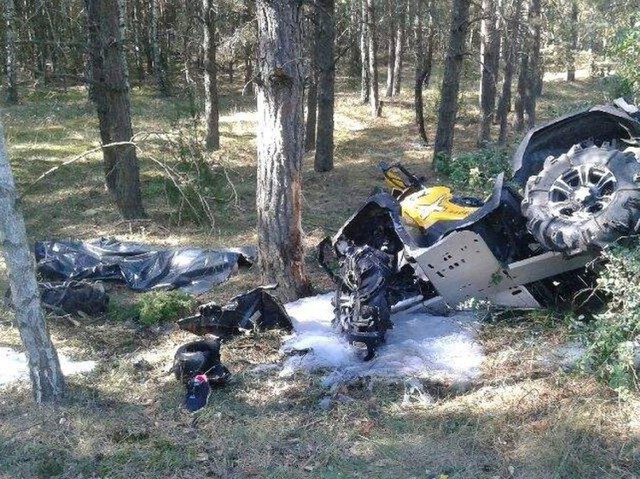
(582, 191)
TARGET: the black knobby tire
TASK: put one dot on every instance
(584, 199)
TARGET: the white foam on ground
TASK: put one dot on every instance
(13, 366)
(419, 346)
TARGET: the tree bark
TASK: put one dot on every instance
(110, 93)
(511, 43)
(391, 46)
(451, 79)
(533, 84)
(211, 110)
(10, 52)
(47, 381)
(355, 62)
(137, 46)
(280, 138)
(573, 42)
(310, 32)
(400, 41)
(154, 41)
(364, 53)
(373, 60)
(312, 113)
(326, 84)
(423, 63)
(489, 56)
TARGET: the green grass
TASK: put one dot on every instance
(522, 419)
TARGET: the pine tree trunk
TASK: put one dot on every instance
(573, 42)
(423, 62)
(391, 47)
(248, 70)
(364, 53)
(534, 74)
(10, 52)
(355, 62)
(373, 59)
(326, 84)
(154, 41)
(400, 40)
(248, 52)
(47, 381)
(211, 110)
(312, 114)
(451, 79)
(137, 45)
(511, 43)
(110, 92)
(488, 70)
(280, 143)
(310, 32)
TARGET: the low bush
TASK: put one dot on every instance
(475, 171)
(163, 306)
(613, 336)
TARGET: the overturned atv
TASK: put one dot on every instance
(418, 244)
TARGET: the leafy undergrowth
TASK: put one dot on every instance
(525, 417)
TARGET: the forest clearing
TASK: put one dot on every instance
(256, 137)
(523, 418)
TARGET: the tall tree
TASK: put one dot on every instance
(310, 31)
(451, 79)
(47, 381)
(280, 136)
(511, 45)
(400, 41)
(326, 66)
(10, 52)
(391, 45)
(355, 62)
(372, 40)
(158, 68)
(211, 110)
(572, 45)
(110, 93)
(423, 62)
(364, 53)
(530, 76)
(536, 71)
(489, 62)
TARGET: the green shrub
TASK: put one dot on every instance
(612, 337)
(625, 49)
(616, 86)
(474, 171)
(163, 306)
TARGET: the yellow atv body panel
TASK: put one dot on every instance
(426, 207)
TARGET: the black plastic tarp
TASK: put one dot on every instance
(139, 266)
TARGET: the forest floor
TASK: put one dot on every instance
(523, 418)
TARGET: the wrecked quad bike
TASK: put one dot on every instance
(422, 245)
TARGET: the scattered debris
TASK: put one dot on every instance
(255, 310)
(197, 365)
(200, 358)
(414, 394)
(140, 267)
(70, 297)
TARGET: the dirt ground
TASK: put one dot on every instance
(525, 417)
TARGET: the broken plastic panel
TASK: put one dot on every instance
(254, 310)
